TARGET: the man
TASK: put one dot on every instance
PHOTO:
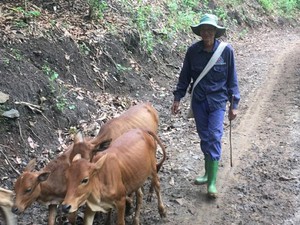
(210, 94)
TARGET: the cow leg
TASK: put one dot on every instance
(52, 209)
(9, 217)
(156, 184)
(150, 194)
(88, 216)
(72, 218)
(129, 204)
(139, 201)
(120, 205)
(108, 218)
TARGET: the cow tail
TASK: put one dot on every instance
(159, 164)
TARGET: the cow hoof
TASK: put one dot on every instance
(149, 198)
(136, 221)
(162, 212)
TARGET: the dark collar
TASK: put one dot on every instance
(201, 45)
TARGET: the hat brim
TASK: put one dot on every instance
(220, 30)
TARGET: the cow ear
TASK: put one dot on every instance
(103, 145)
(100, 162)
(43, 176)
(30, 166)
(99, 148)
(76, 157)
(78, 138)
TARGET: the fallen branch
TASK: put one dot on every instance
(283, 178)
(20, 130)
(9, 162)
(31, 106)
(34, 108)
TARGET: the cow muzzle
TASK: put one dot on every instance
(66, 208)
(16, 210)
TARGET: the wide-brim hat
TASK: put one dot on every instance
(212, 20)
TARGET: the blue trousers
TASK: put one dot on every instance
(210, 128)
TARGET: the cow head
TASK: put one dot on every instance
(87, 148)
(80, 177)
(27, 187)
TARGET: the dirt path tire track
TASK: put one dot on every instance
(246, 132)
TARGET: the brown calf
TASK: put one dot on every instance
(122, 169)
(142, 115)
(5, 205)
(47, 186)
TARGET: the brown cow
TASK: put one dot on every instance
(47, 186)
(142, 115)
(5, 205)
(122, 169)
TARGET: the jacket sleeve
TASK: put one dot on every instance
(232, 80)
(184, 79)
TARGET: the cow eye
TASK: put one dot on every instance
(28, 190)
(85, 181)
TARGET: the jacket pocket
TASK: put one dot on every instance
(219, 72)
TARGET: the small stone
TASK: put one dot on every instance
(3, 97)
(13, 113)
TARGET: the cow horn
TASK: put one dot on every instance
(76, 157)
(30, 166)
(78, 138)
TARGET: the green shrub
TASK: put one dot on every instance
(97, 8)
(57, 90)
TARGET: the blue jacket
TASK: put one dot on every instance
(218, 85)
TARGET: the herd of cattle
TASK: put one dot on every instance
(102, 173)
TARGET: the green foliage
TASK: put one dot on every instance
(289, 6)
(221, 13)
(73, 130)
(267, 5)
(243, 33)
(20, 24)
(53, 22)
(142, 17)
(6, 61)
(52, 76)
(148, 41)
(97, 8)
(16, 54)
(122, 69)
(285, 8)
(84, 49)
(162, 21)
(181, 22)
(233, 2)
(57, 90)
(147, 18)
(190, 3)
(27, 14)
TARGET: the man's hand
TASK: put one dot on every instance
(175, 107)
(232, 113)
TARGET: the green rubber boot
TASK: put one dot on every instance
(203, 179)
(213, 167)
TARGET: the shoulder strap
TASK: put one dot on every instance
(210, 63)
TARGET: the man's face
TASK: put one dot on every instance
(207, 32)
